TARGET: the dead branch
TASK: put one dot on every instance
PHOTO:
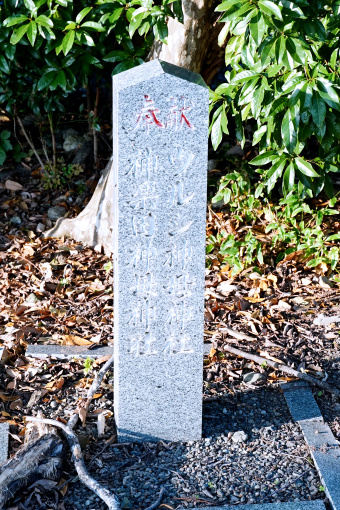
(237, 334)
(288, 370)
(41, 458)
(30, 143)
(158, 501)
(110, 499)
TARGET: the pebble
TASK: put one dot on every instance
(232, 472)
(15, 220)
(56, 212)
(239, 437)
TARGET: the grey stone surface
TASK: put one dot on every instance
(323, 446)
(4, 430)
(67, 351)
(301, 402)
(293, 505)
(160, 133)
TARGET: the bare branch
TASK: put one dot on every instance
(110, 499)
(288, 370)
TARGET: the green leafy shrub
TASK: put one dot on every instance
(268, 233)
(283, 78)
(50, 48)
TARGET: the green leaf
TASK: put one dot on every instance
(259, 134)
(256, 102)
(288, 178)
(334, 58)
(30, 5)
(257, 28)
(264, 158)
(160, 30)
(44, 21)
(116, 56)
(318, 109)
(289, 131)
(32, 32)
(4, 67)
(68, 41)
(237, 13)
(305, 167)
(14, 20)
(5, 134)
(123, 66)
(243, 76)
(135, 23)
(19, 33)
(46, 80)
(270, 8)
(82, 14)
(224, 6)
(274, 174)
(223, 34)
(327, 86)
(267, 49)
(2, 156)
(116, 15)
(93, 25)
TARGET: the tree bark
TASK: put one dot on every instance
(189, 44)
(188, 41)
(38, 459)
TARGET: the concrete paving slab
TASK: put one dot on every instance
(4, 431)
(73, 351)
(292, 505)
(301, 402)
(67, 351)
(324, 448)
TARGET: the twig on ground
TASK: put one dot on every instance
(75, 478)
(110, 499)
(30, 143)
(158, 501)
(237, 334)
(288, 370)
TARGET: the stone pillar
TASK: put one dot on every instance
(160, 146)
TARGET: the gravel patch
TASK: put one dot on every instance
(270, 464)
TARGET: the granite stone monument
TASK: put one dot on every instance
(160, 144)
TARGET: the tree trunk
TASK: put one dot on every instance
(189, 44)
(93, 226)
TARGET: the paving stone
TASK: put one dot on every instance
(301, 402)
(293, 505)
(160, 157)
(323, 446)
(67, 351)
(4, 431)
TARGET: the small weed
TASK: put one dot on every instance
(321, 488)
(264, 364)
(108, 266)
(88, 365)
(57, 177)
